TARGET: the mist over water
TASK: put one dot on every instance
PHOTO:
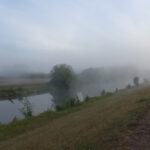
(93, 80)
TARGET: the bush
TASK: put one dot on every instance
(136, 81)
(59, 108)
(72, 102)
(87, 98)
(15, 119)
(109, 93)
(128, 86)
(103, 93)
(27, 109)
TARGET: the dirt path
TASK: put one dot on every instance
(141, 138)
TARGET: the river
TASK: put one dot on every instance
(9, 109)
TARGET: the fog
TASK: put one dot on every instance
(93, 81)
(37, 34)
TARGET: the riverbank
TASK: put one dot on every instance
(18, 88)
(98, 124)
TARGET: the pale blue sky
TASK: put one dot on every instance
(41, 33)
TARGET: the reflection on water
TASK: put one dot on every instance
(9, 109)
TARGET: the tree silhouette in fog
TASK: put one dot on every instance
(136, 81)
(61, 79)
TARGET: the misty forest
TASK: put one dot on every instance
(74, 75)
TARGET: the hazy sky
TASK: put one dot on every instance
(37, 34)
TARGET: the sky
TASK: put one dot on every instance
(35, 35)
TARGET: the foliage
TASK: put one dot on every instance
(128, 86)
(87, 98)
(20, 92)
(109, 93)
(136, 81)
(15, 119)
(61, 77)
(27, 109)
(72, 102)
(103, 93)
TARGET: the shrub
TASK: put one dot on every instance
(136, 81)
(109, 93)
(103, 93)
(72, 102)
(59, 108)
(128, 86)
(87, 98)
(27, 109)
(15, 119)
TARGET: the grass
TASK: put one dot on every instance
(10, 89)
(98, 124)
(17, 127)
(68, 104)
(19, 92)
(115, 136)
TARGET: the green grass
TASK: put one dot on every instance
(19, 92)
(11, 89)
(101, 123)
(115, 134)
(17, 127)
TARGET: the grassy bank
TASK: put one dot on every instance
(20, 92)
(100, 123)
(11, 89)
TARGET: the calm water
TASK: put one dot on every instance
(11, 109)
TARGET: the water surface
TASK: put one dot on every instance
(9, 109)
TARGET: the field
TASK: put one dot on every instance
(22, 82)
(102, 123)
(21, 87)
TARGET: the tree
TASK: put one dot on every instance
(61, 80)
(136, 81)
(128, 86)
(103, 93)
